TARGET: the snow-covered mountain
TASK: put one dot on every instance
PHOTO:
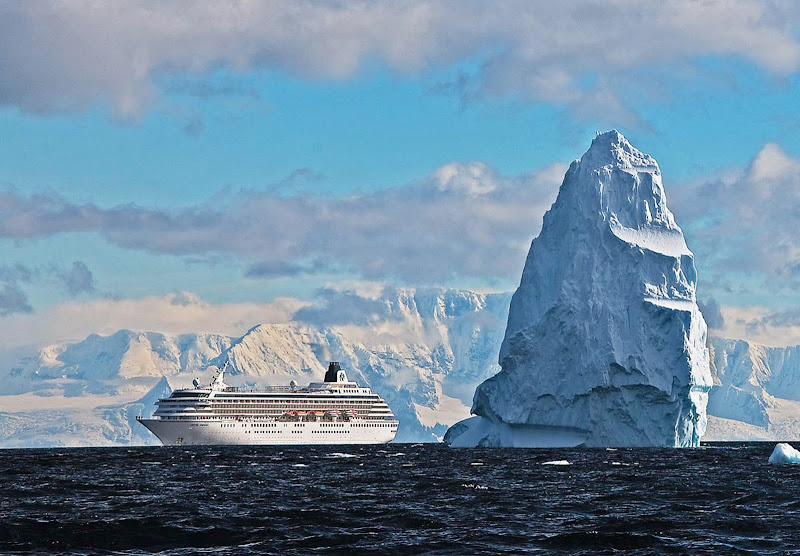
(757, 391)
(605, 344)
(424, 351)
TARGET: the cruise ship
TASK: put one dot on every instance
(335, 411)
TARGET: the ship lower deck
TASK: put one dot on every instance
(194, 433)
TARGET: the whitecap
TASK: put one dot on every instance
(557, 462)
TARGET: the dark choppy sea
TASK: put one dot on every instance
(397, 499)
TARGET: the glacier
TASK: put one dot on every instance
(605, 344)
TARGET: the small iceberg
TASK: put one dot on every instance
(784, 454)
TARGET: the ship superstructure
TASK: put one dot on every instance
(335, 411)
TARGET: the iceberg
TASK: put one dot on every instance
(605, 344)
(784, 454)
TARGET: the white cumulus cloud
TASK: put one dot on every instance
(58, 56)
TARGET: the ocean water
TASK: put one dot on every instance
(398, 499)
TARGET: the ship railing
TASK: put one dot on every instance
(245, 389)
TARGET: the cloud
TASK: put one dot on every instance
(61, 56)
(78, 279)
(473, 178)
(15, 277)
(465, 220)
(176, 313)
(274, 269)
(712, 313)
(185, 299)
(741, 225)
(17, 272)
(333, 307)
(13, 300)
(762, 325)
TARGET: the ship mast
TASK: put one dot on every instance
(218, 383)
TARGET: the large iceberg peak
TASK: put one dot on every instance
(605, 344)
(617, 186)
(611, 147)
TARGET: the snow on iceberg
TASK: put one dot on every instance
(605, 344)
(784, 454)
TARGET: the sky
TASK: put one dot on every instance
(185, 166)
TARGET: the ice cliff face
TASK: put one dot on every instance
(605, 344)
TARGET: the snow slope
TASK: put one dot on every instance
(605, 344)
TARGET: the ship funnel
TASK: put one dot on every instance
(333, 372)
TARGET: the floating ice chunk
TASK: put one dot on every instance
(784, 454)
(557, 462)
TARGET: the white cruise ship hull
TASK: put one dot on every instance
(187, 433)
(335, 411)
